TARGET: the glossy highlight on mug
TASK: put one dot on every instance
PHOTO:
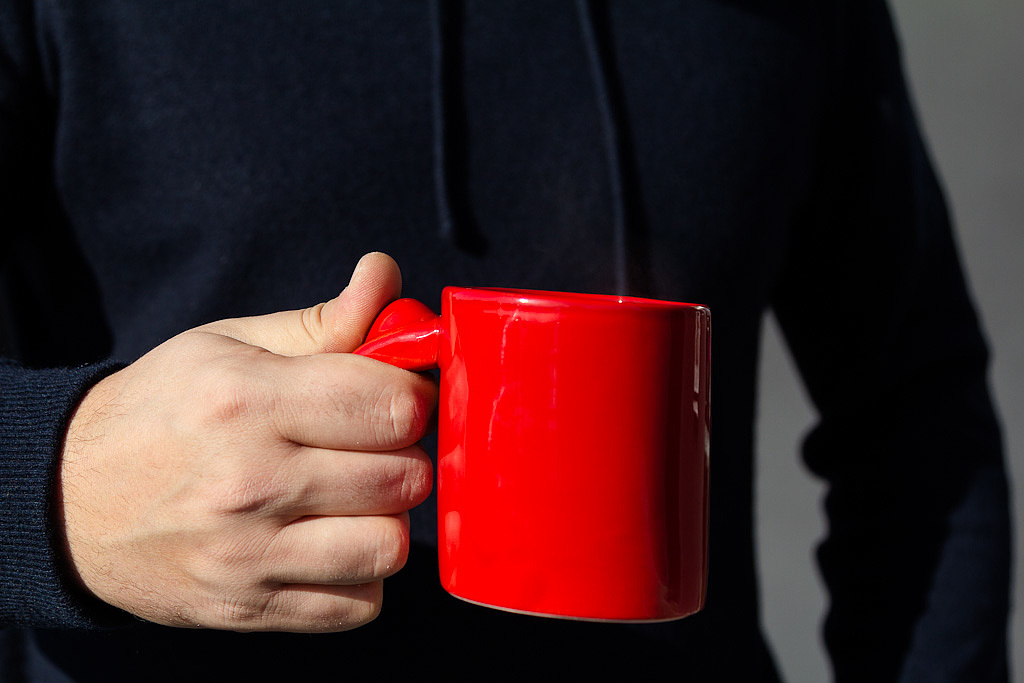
(572, 448)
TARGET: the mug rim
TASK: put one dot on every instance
(550, 298)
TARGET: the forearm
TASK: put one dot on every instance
(961, 635)
(917, 558)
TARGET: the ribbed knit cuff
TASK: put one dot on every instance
(35, 588)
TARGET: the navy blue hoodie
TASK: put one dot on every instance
(165, 164)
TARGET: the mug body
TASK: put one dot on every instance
(573, 453)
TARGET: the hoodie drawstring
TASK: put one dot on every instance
(450, 154)
(628, 225)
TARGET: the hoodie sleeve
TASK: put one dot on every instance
(36, 401)
(875, 309)
(36, 589)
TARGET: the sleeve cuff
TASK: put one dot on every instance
(37, 590)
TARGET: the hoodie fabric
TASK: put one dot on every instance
(166, 164)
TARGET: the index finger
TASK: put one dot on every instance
(346, 402)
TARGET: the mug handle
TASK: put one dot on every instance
(405, 334)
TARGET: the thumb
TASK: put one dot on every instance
(339, 325)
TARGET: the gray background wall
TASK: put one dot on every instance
(965, 62)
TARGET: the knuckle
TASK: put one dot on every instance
(291, 609)
(239, 492)
(366, 610)
(237, 557)
(391, 549)
(250, 612)
(364, 607)
(358, 607)
(226, 395)
(398, 415)
(228, 567)
(417, 480)
(313, 322)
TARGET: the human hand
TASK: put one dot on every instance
(250, 474)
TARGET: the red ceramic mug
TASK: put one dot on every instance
(572, 448)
